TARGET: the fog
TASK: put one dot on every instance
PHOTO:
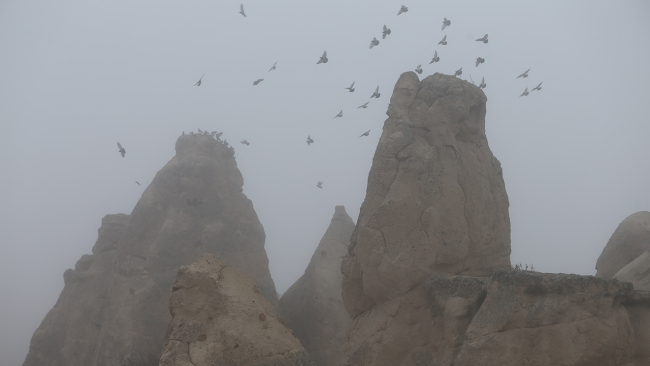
(76, 77)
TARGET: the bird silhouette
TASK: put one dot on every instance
(273, 67)
(257, 81)
(241, 9)
(458, 72)
(403, 9)
(309, 140)
(374, 42)
(136, 182)
(198, 83)
(418, 69)
(376, 94)
(365, 105)
(435, 58)
(484, 39)
(479, 61)
(482, 85)
(538, 87)
(365, 133)
(339, 115)
(121, 149)
(524, 75)
(351, 87)
(244, 142)
(444, 41)
(323, 59)
(445, 23)
(524, 93)
(320, 184)
(385, 32)
(200, 130)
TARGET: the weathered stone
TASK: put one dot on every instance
(219, 317)
(436, 200)
(114, 304)
(312, 306)
(637, 272)
(631, 239)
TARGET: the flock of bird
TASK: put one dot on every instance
(373, 43)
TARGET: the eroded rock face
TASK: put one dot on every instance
(631, 239)
(219, 317)
(436, 200)
(114, 304)
(637, 272)
(313, 306)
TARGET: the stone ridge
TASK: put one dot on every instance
(436, 199)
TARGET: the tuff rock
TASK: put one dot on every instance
(313, 307)
(113, 307)
(630, 240)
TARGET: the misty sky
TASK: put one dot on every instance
(78, 76)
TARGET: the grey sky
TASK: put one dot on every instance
(76, 77)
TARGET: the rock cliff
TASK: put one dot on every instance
(114, 303)
(630, 240)
(219, 317)
(436, 200)
(313, 306)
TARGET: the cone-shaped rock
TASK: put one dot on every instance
(313, 307)
(219, 317)
(114, 303)
(436, 200)
(631, 239)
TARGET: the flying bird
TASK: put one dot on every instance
(244, 142)
(524, 93)
(339, 115)
(320, 184)
(365, 105)
(385, 32)
(257, 81)
(218, 135)
(273, 67)
(482, 85)
(241, 9)
(524, 75)
(200, 130)
(351, 87)
(198, 83)
(403, 9)
(323, 59)
(136, 182)
(376, 94)
(445, 23)
(484, 39)
(374, 42)
(538, 87)
(418, 69)
(458, 72)
(121, 149)
(444, 41)
(309, 140)
(479, 61)
(365, 133)
(435, 58)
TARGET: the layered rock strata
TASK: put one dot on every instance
(313, 307)
(219, 317)
(436, 200)
(630, 240)
(114, 304)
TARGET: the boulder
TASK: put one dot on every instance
(637, 272)
(113, 308)
(631, 239)
(313, 307)
(436, 199)
(220, 317)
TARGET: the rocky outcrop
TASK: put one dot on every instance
(637, 272)
(114, 303)
(436, 200)
(219, 317)
(630, 240)
(313, 307)
(511, 318)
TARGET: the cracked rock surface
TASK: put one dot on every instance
(436, 201)
(313, 306)
(220, 317)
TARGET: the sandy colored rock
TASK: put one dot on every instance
(637, 272)
(114, 304)
(436, 200)
(631, 239)
(313, 307)
(219, 317)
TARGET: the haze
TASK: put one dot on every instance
(76, 77)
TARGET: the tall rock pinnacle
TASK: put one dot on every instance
(114, 306)
(312, 306)
(436, 201)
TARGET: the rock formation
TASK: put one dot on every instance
(630, 240)
(219, 317)
(436, 200)
(114, 303)
(637, 272)
(313, 307)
